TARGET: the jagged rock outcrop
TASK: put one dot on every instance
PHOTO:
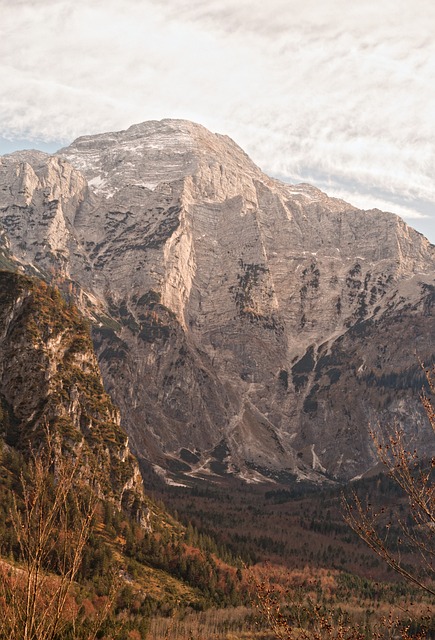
(243, 325)
(50, 383)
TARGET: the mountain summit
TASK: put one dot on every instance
(244, 326)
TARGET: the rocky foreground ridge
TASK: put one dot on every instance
(243, 325)
(50, 383)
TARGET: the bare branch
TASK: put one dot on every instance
(415, 476)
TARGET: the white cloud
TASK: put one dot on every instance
(306, 88)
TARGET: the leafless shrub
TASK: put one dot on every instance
(415, 476)
(52, 520)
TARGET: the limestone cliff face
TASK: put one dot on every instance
(243, 325)
(49, 379)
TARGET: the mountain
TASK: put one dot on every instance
(243, 326)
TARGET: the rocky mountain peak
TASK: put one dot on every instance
(152, 152)
(243, 325)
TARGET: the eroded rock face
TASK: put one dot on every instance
(243, 325)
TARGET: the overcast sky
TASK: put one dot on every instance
(338, 93)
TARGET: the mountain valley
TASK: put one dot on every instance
(214, 347)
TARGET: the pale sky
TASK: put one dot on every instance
(337, 93)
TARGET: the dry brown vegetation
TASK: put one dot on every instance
(214, 624)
